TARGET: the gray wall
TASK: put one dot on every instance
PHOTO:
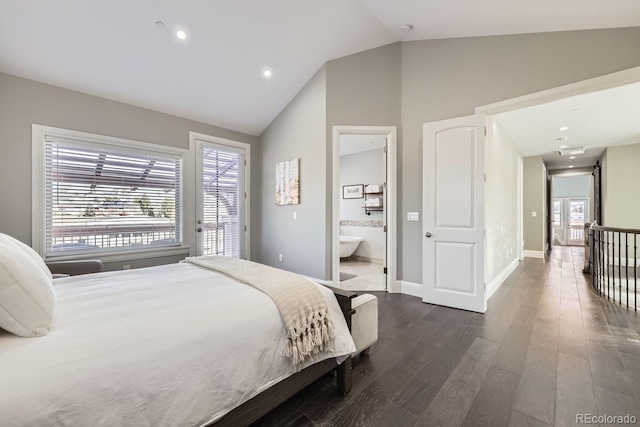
(25, 102)
(450, 78)
(365, 167)
(533, 190)
(297, 132)
(410, 83)
(621, 183)
(362, 90)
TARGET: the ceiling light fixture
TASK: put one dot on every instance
(266, 73)
(575, 110)
(562, 138)
(563, 146)
(181, 35)
(563, 128)
(572, 157)
(160, 25)
(570, 166)
(406, 27)
(573, 151)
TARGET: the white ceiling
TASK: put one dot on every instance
(351, 144)
(114, 49)
(596, 120)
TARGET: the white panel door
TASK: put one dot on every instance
(453, 209)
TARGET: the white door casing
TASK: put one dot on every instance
(453, 209)
(558, 221)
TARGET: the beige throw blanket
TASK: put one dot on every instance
(302, 306)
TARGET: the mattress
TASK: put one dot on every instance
(172, 345)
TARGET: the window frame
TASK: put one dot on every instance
(39, 133)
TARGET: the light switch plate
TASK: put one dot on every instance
(413, 216)
(295, 215)
(534, 213)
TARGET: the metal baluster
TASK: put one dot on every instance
(626, 269)
(607, 266)
(619, 268)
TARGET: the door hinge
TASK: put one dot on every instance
(384, 270)
(245, 162)
(385, 148)
(485, 131)
(384, 228)
(245, 194)
(245, 228)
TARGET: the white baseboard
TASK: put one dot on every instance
(533, 254)
(500, 278)
(409, 288)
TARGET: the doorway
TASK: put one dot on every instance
(364, 185)
(221, 196)
(570, 208)
(362, 212)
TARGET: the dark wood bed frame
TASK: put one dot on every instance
(261, 404)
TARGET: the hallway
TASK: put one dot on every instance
(548, 348)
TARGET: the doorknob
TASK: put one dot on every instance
(199, 230)
(427, 234)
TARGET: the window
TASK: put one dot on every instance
(104, 195)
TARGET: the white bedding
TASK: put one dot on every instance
(173, 345)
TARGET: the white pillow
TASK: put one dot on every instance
(27, 298)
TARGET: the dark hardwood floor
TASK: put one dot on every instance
(547, 348)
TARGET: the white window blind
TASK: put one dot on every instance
(222, 201)
(101, 197)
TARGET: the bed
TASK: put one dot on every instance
(172, 345)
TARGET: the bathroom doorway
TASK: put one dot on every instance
(362, 205)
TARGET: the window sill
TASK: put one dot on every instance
(124, 255)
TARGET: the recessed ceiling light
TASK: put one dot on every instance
(563, 146)
(266, 73)
(563, 128)
(181, 35)
(572, 157)
(570, 166)
(406, 27)
(562, 138)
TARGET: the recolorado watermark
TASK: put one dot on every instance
(605, 419)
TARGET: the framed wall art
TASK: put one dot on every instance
(288, 182)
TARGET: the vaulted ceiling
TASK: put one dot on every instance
(118, 50)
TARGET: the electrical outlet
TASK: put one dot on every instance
(280, 257)
(126, 267)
